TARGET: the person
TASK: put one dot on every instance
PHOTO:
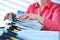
(46, 12)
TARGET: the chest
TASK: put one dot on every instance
(45, 13)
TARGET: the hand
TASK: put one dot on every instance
(31, 17)
(9, 16)
(28, 17)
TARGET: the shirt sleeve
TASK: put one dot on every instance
(54, 23)
(29, 10)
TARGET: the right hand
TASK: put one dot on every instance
(32, 17)
(9, 16)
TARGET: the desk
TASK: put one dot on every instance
(38, 35)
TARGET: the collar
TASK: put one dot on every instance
(48, 4)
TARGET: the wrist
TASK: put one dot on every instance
(40, 19)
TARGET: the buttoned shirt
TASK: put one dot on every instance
(50, 13)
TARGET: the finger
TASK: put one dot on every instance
(25, 16)
(20, 17)
(31, 18)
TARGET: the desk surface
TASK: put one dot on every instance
(38, 35)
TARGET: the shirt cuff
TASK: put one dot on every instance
(47, 24)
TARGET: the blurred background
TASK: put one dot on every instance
(15, 5)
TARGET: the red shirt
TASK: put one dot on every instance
(50, 13)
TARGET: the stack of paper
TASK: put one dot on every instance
(30, 25)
